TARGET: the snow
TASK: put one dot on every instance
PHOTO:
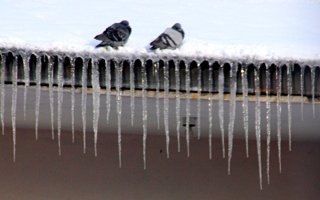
(261, 29)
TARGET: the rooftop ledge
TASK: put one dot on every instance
(303, 81)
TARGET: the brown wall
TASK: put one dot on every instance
(39, 173)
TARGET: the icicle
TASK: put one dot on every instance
(73, 77)
(244, 81)
(38, 94)
(26, 71)
(221, 109)
(166, 105)
(84, 103)
(156, 68)
(2, 106)
(132, 91)
(188, 108)
(258, 121)
(279, 75)
(268, 118)
(289, 86)
(199, 101)
(178, 102)
(95, 101)
(14, 104)
(108, 89)
(144, 112)
(60, 100)
(232, 110)
(51, 97)
(302, 90)
(210, 83)
(119, 105)
(313, 74)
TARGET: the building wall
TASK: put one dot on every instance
(40, 173)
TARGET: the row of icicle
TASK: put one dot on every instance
(166, 78)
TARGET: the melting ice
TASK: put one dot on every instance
(38, 93)
(166, 105)
(95, 101)
(72, 96)
(210, 110)
(178, 103)
(51, 96)
(118, 66)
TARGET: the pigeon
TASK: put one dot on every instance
(171, 38)
(115, 35)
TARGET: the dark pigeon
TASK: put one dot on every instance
(171, 38)
(115, 35)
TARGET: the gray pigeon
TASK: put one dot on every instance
(115, 35)
(171, 38)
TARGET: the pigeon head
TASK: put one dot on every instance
(124, 22)
(177, 26)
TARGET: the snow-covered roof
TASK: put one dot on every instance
(263, 29)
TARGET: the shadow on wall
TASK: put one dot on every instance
(40, 172)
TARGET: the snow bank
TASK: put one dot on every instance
(264, 29)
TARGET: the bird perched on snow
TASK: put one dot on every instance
(115, 35)
(171, 38)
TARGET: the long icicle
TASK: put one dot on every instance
(14, 104)
(26, 74)
(210, 102)
(60, 100)
(245, 112)
(178, 102)
(51, 97)
(108, 89)
(313, 74)
(279, 86)
(95, 101)
(119, 69)
(302, 90)
(38, 94)
(144, 113)
(73, 77)
(258, 120)
(221, 106)
(84, 103)
(2, 106)
(199, 100)
(268, 119)
(289, 88)
(232, 110)
(166, 105)
(156, 69)
(132, 92)
(188, 107)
